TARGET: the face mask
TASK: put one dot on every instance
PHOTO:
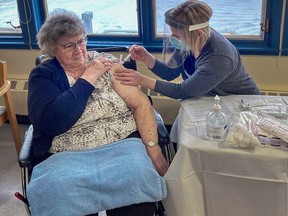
(178, 44)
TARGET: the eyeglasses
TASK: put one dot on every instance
(72, 46)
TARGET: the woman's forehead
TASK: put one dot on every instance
(65, 39)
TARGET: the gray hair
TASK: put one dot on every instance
(60, 23)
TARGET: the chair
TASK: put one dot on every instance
(7, 112)
(25, 160)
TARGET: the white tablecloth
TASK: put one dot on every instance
(210, 178)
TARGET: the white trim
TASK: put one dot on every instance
(198, 26)
(282, 28)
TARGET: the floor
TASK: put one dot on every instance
(10, 179)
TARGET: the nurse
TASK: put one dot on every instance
(208, 63)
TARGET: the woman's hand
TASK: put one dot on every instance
(96, 69)
(158, 160)
(139, 53)
(128, 76)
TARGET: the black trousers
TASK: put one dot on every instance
(141, 209)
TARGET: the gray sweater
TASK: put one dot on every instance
(218, 70)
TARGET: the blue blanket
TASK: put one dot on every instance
(89, 181)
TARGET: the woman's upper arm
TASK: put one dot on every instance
(132, 95)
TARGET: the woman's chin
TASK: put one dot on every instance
(79, 62)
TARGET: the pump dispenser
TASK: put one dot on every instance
(216, 122)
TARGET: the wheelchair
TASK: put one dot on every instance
(24, 159)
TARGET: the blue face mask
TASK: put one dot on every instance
(178, 44)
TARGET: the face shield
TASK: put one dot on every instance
(176, 49)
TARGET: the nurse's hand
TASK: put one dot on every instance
(128, 76)
(139, 53)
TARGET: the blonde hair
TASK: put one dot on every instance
(193, 12)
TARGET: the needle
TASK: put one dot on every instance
(127, 57)
(120, 60)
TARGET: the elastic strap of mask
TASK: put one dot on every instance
(198, 26)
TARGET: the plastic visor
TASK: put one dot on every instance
(174, 50)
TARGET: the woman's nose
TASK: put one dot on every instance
(78, 48)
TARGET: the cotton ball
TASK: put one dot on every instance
(232, 136)
(230, 140)
(239, 136)
(245, 142)
(254, 141)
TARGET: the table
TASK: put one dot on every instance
(213, 179)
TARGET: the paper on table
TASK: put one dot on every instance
(197, 110)
(285, 99)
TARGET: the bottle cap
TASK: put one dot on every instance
(217, 106)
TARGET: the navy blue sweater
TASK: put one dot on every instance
(53, 106)
(218, 70)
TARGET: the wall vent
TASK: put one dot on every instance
(19, 85)
(25, 86)
(13, 84)
(274, 93)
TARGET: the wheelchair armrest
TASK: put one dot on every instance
(163, 134)
(25, 153)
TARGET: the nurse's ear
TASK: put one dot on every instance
(200, 33)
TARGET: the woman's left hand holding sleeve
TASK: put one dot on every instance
(160, 163)
(96, 69)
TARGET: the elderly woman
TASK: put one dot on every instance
(85, 131)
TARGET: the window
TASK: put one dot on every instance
(103, 17)
(9, 21)
(285, 34)
(126, 22)
(253, 26)
(229, 18)
(235, 21)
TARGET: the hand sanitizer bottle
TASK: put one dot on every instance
(216, 122)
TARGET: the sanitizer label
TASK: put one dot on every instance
(217, 133)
